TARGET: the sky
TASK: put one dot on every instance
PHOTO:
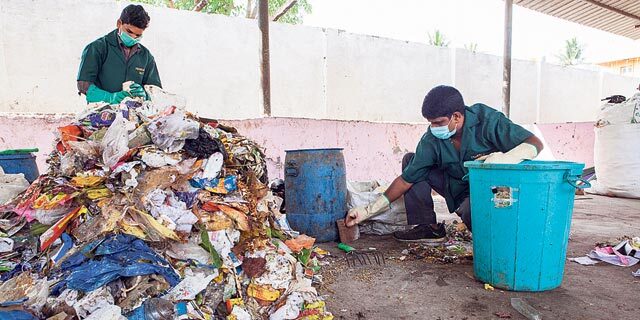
(535, 35)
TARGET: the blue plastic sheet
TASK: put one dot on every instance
(16, 315)
(113, 257)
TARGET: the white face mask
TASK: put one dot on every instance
(443, 132)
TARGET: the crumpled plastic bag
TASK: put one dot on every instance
(170, 211)
(170, 132)
(114, 257)
(163, 99)
(291, 309)
(190, 286)
(11, 185)
(115, 142)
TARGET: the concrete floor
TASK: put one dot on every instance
(416, 289)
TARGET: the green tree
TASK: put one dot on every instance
(438, 39)
(473, 47)
(572, 54)
(288, 11)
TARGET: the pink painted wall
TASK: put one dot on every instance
(372, 150)
(570, 141)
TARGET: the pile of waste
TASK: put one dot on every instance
(625, 253)
(458, 249)
(150, 212)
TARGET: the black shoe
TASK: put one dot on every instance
(423, 233)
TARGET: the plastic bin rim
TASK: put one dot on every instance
(527, 165)
(317, 149)
(16, 156)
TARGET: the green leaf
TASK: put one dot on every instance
(216, 261)
(303, 256)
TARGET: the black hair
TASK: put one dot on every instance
(442, 101)
(135, 15)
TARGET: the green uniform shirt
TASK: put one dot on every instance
(485, 130)
(104, 64)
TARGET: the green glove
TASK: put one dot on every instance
(137, 90)
(95, 94)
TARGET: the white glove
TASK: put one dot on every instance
(359, 214)
(523, 151)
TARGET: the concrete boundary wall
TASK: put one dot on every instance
(316, 73)
(372, 150)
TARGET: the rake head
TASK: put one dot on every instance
(364, 259)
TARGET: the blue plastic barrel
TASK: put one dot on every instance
(521, 216)
(315, 191)
(20, 163)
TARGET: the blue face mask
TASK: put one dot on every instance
(443, 131)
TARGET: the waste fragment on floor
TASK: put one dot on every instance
(625, 254)
(457, 248)
(150, 212)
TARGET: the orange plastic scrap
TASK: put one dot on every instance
(303, 241)
(53, 233)
(210, 206)
(234, 302)
(48, 202)
(68, 133)
(85, 182)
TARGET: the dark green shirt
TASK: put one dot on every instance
(485, 130)
(105, 65)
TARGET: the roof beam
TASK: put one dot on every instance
(613, 9)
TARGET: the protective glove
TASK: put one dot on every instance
(137, 90)
(95, 94)
(523, 151)
(359, 214)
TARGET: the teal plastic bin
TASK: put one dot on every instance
(521, 216)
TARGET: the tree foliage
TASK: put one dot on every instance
(573, 53)
(473, 47)
(438, 39)
(237, 8)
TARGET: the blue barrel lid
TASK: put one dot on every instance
(315, 150)
(527, 165)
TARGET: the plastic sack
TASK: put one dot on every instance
(115, 142)
(170, 132)
(616, 149)
(361, 193)
(11, 185)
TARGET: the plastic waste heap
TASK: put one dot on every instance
(150, 212)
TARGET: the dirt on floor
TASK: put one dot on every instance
(406, 287)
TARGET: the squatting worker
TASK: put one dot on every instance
(457, 133)
(116, 58)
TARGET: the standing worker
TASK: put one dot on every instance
(456, 134)
(116, 58)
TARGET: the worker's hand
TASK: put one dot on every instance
(137, 90)
(117, 97)
(360, 214)
(354, 216)
(523, 151)
(95, 94)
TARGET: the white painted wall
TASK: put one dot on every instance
(316, 73)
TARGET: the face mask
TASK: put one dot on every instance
(127, 40)
(443, 132)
